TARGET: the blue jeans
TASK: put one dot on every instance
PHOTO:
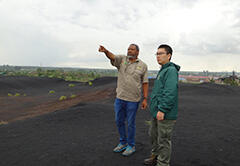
(126, 110)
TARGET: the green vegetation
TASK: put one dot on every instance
(17, 94)
(87, 75)
(51, 91)
(212, 80)
(68, 74)
(9, 94)
(3, 122)
(73, 96)
(90, 83)
(71, 85)
(63, 98)
(148, 122)
(231, 82)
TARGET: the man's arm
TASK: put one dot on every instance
(145, 88)
(110, 55)
(169, 94)
(145, 95)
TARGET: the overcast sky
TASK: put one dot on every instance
(204, 34)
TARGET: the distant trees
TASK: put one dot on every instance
(83, 76)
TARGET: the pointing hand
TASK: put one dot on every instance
(102, 49)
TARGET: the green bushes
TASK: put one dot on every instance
(73, 96)
(16, 94)
(62, 98)
(3, 122)
(71, 85)
(80, 76)
(231, 82)
(51, 91)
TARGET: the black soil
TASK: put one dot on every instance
(207, 132)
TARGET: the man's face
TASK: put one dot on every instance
(132, 51)
(162, 56)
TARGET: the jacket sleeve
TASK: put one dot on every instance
(170, 91)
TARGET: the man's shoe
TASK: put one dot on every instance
(120, 148)
(129, 150)
(152, 160)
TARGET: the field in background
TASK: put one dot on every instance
(86, 75)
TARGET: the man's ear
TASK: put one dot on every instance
(169, 57)
(137, 53)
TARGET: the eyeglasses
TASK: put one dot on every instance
(160, 53)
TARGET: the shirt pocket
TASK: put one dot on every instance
(137, 74)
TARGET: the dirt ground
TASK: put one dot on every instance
(81, 131)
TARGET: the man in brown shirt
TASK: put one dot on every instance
(132, 78)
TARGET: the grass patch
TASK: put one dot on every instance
(90, 83)
(62, 98)
(3, 122)
(73, 96)
(148, 122)
(17, 94)
(71, 85)
(51, 91)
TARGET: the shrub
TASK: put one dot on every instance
(3, 122)
(148, 122)
(63, 98)
(71, 85)
(51, 91)
(73, 96)
(17, 94)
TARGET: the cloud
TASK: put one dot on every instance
(26, 44)
(68, 33)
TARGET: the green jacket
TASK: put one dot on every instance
(164, 96)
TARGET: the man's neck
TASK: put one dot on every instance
(165, 63)
(132, 60)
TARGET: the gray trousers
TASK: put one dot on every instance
(161, 134)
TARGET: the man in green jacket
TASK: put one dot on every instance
(163, 108)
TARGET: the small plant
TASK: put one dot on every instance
(231, 82)
(212, 80)
(62, 98)
(71, 85)
(51, 91)
(24, 94)
(17, 94)
(73, 96)
(3, 122)
(9, 94)
(148, 122)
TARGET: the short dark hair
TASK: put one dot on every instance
(137, 48)
(167, 48)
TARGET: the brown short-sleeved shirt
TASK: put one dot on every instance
(131, 76)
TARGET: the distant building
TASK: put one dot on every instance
(190, 78)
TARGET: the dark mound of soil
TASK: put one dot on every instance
(207, 132)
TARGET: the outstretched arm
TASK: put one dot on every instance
(110, 55)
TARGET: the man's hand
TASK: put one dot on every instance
(110, 55)
(160, 115)
(102, 49)
(144, 104)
